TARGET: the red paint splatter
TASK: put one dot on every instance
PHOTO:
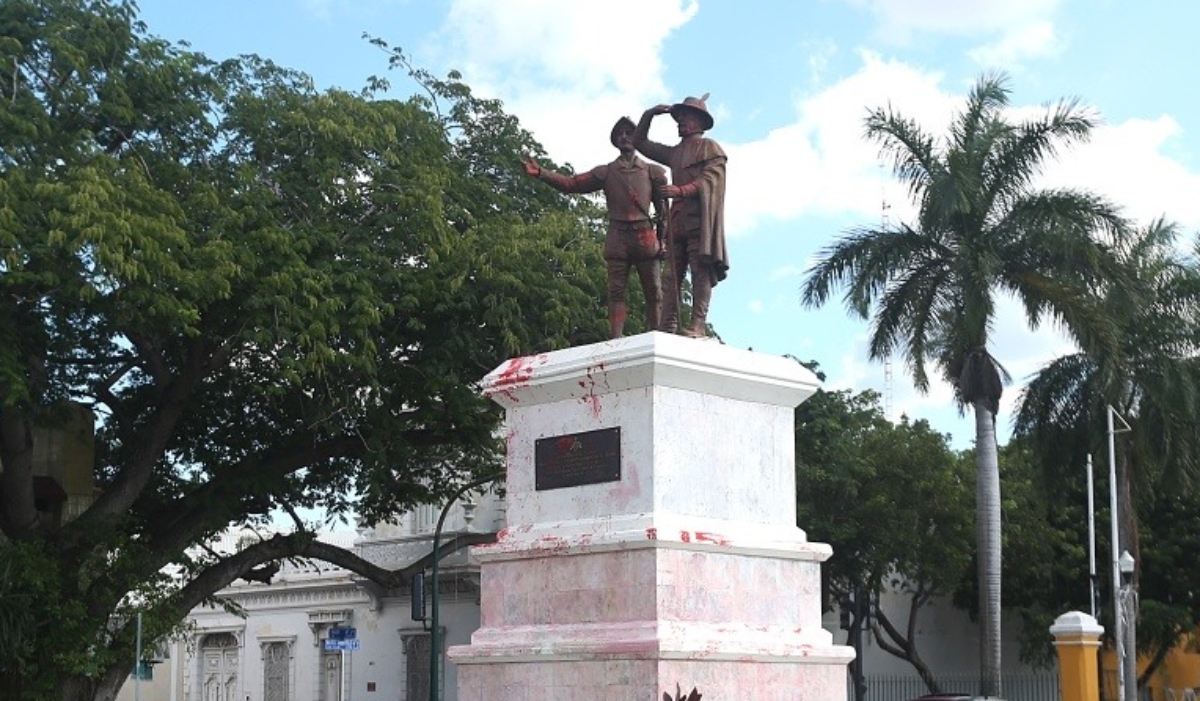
(589, 386)
(702, 537)
(516, 371)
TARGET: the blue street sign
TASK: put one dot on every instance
(344, 645)
(343, 633)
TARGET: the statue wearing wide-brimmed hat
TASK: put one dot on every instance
(632, 187)
(696, 233)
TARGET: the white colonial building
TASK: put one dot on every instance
(271, 644)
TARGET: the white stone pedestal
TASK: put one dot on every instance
(689, 569)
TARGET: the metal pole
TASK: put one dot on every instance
(1091, 511)
(433, 599)
(1118, 624)
(137, 662)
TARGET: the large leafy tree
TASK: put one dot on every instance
(982, 229)
(1151, 378)
(894, 501)
(272, 298)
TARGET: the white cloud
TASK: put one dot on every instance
(1130, 163)
(786, 271)
(1035, 40)
(755, 306)
(1022, 28)
(821, 163)
(568, 68)
(899, 18)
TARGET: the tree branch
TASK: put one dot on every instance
(304, 545)
(130, 481)
(176, 524)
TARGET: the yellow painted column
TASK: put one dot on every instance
(1077, 641)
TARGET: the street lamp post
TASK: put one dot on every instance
(434, 633)
(1128, 612)
(1126, 684)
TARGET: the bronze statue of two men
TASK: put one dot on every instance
(693, 238)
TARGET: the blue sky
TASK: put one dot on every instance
(790, 83)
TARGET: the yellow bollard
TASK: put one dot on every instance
(1077, 641)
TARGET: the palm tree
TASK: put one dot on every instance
(930, 288)
(1153, 382)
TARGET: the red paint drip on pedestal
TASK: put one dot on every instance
(703, 537)
(589, 387)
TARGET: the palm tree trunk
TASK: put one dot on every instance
(987, 543)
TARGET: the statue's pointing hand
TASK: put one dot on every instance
(532, 168)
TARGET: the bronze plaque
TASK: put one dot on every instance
(577, 458)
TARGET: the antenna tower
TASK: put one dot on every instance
(885, 223)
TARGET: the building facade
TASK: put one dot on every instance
(271, 641)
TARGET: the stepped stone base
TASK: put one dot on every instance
(687, 568)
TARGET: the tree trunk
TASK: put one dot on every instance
(987, 543)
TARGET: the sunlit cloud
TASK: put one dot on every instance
(544, 59)
(1036, 40)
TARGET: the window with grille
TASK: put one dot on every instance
(276, 672)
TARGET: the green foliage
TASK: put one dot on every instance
(272, 297)
(892, 500)
(1168, 572)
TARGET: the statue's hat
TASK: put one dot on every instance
(696, 106)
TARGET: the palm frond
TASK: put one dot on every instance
(909, 148)
(863, 262)
(1018, 159)
(906, 314)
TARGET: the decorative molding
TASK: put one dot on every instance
(265, 640)
(238, 631)
(321, 621)
(299, 598)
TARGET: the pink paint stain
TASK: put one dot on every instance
(593, 403)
